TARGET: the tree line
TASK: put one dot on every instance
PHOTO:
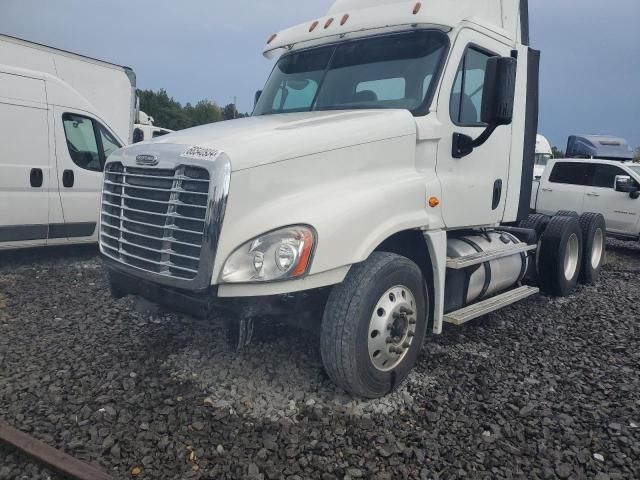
(171, 114)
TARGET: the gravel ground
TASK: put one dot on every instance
(549, 388)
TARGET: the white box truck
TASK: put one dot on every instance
(61, 116)
(381, 178)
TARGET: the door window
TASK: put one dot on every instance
(466, 97)
(89, 142)
(604, 176)
(569, 173)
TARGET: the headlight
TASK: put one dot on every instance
(279, 255)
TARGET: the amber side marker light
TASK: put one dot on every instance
(272, 38)
(313, 26)
(305, 256)
(434, 202)
(344, 19)
(329, 22)
(417, 8)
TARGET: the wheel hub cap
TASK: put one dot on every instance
(392, 328)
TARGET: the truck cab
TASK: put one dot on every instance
(374, 194)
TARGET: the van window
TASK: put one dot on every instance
(82, 142)
(89, 142)
(604, 176)
(466, 97)
(569, 173)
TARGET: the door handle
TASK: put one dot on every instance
(36, 177)
(547, 190)
(68, 178)
(593, 194)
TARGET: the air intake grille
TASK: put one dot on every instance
(155, 219)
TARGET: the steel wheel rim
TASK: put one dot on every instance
(597, 248)
(571, 257)
(392, 328)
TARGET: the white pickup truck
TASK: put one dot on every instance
(609, 187)
(381, 178)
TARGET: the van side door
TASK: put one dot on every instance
(562, 188)
(619, 209)
(25, 168)
(82, 146)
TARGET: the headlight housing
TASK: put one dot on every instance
(279, 255)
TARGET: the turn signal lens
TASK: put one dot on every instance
(344, 19)
(417, 8)
(434, 202)
(272, 38)
(329, 22)
(313, 26)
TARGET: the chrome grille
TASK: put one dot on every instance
(155, 219)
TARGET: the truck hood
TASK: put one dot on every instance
(254, 141)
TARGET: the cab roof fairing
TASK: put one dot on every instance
(353, 17)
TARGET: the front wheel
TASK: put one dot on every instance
(374, 325)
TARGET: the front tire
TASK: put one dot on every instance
(374, 325)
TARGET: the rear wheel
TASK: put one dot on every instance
(567, 213)
(537, 222)
(594, 236)
(374, 325)
(560, 256)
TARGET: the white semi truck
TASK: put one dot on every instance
(61, 116)
(145, 130)
(380, 182)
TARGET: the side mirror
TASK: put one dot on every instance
(257, 97)
(497, 103)
(626, 184)
(499, 91)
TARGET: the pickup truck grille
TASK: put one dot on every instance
(155, 219)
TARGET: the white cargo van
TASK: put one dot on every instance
(61, 116)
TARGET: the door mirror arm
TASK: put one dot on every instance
(463, 144)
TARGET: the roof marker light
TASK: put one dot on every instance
(313, 26)
(329, 22)
(417, 8)
(344, 19)
(272, 38)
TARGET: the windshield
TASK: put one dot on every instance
(542, 158)
(635, 169)
(391, 71)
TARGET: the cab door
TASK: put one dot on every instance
(25, 168)
(82, 147)
(473, 187)
(620, 210)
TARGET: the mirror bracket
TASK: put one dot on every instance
(463, 144)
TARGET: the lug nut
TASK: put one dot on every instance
(412, 321)
(411, 334)
(389, 340)
(406, 345)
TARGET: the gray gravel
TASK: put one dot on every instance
(546, 389)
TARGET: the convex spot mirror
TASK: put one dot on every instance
(626, 184)
(497, 103)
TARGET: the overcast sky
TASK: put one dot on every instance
(211, 49)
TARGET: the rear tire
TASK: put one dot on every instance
(594, 238)
(560, 256)
(367, 318)
(537, 222)
(567, 213)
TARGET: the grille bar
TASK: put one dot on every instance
(137, 187)
(153, 221)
